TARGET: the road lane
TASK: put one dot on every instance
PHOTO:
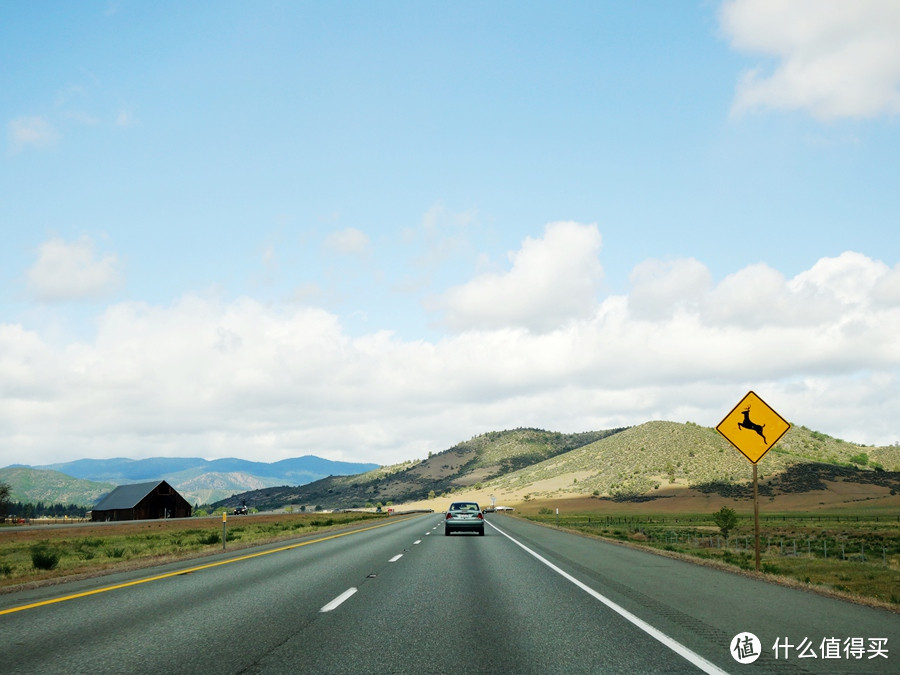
(704, 608)
(215, 620)
(405, 598)
(472, 604)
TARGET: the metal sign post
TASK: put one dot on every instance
(753, 437)
(224, 528)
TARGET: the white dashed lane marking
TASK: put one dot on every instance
(334, 604)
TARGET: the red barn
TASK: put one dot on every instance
(141, 501)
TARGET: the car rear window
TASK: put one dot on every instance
(464, 506)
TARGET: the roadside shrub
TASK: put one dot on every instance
(6, 569)
(115, 552)
(210, 538)
(726, 519)
(44, 558)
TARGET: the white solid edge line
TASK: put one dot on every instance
(334, 604)
(675, 646)
(396, 557)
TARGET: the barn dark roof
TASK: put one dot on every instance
(126, 496)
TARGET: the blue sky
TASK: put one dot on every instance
(370, 230)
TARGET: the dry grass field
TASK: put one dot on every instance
(45, 554)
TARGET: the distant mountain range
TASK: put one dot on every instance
(200, 481)
(636, 463)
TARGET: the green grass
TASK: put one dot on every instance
(63, 552)
(854, 554)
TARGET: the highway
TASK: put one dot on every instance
(400, 597)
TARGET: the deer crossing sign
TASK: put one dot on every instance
(753, 427)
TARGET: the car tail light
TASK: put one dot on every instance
(481, 515)
(449, 515)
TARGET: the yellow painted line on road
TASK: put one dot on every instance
(189, 570)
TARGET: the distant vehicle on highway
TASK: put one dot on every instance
(241, 511)
(464, 517)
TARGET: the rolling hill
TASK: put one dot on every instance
(633, 464)
(646, 458)
(28, 485)
(522, 464)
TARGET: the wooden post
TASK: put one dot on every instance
(756, 513)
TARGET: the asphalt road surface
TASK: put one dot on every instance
(400, 597)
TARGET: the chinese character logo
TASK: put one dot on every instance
(745, 647)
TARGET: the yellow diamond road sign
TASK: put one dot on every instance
(753, 427)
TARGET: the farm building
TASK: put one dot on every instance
(141, 501)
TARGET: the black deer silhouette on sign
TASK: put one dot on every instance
(751, 426)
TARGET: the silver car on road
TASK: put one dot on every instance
(464, 517)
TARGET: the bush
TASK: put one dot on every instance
(726, 519)
(44, 558)
(210, 538)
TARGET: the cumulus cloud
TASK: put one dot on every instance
(217, 378)
(832, 58)
(34, 132)
(660, 288)
(552, 280)
(71, 270)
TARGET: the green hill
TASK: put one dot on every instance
(51, 487)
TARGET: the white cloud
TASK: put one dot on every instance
(833, 58)
(659, 288)
(552, 280)
(242, 378)
(349, 241)
(70, 270)
(25, 132)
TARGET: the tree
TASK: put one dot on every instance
(4, 499)
(726, 519)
